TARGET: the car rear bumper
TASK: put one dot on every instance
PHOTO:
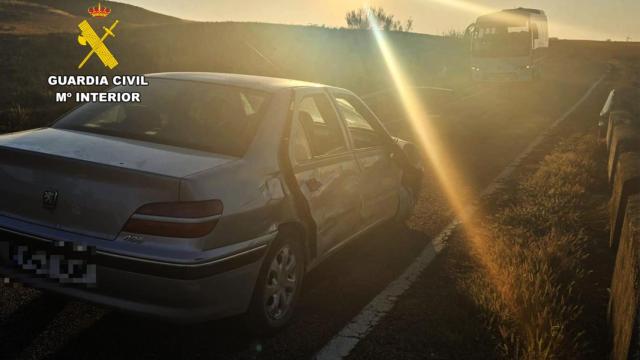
(179, 292)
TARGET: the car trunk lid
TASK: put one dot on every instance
(89, 184)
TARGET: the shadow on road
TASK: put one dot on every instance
(333, 293)
(18, 329)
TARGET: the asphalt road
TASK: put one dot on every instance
(487, 127)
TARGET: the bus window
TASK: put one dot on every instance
(499, 40)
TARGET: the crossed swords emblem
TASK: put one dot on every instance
(89, 36)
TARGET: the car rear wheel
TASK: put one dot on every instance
(278, 286)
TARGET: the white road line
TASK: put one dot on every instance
(477, 90)
(361, 325)
(472, 95)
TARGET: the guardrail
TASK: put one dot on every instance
(622, 138)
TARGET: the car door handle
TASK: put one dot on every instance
(313, 184)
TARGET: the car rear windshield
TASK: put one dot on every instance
(196, 115)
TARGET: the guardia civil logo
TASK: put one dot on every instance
(89, 37)
(67, 86)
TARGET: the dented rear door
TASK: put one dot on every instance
(325, 169)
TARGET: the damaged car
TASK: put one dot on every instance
(211, 197)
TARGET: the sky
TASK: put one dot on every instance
(569, 19)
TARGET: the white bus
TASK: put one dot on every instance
(509, 45)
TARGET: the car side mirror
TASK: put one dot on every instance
(535, 32)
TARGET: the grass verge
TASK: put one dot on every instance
(532, 256)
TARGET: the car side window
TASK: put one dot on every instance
(299, 150)
(319, 123)
(356, 117)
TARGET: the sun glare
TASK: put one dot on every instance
(426, 134)
(558, 27)
(432, 146)
(449, 177)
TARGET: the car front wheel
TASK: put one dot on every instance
(407, 202)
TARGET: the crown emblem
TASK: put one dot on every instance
(99, 11)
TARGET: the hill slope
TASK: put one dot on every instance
(29, 17)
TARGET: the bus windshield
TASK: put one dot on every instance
(502, 40)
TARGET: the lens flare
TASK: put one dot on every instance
(426, 134)
(450, 179)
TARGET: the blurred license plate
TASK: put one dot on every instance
(64, 262)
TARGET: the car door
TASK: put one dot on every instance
(325, 168)
(381, 175)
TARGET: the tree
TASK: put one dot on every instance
(359, 19)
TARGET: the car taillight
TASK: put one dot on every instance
(176, 219)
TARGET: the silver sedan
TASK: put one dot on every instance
(212, 197)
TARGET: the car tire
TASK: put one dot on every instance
(278, 286)
(407, 202)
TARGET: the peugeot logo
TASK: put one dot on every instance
(50, 199)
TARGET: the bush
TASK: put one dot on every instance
(359, 19)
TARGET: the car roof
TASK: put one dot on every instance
(261, 83)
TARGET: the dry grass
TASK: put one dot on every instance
(532, 254)
(17, 116)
